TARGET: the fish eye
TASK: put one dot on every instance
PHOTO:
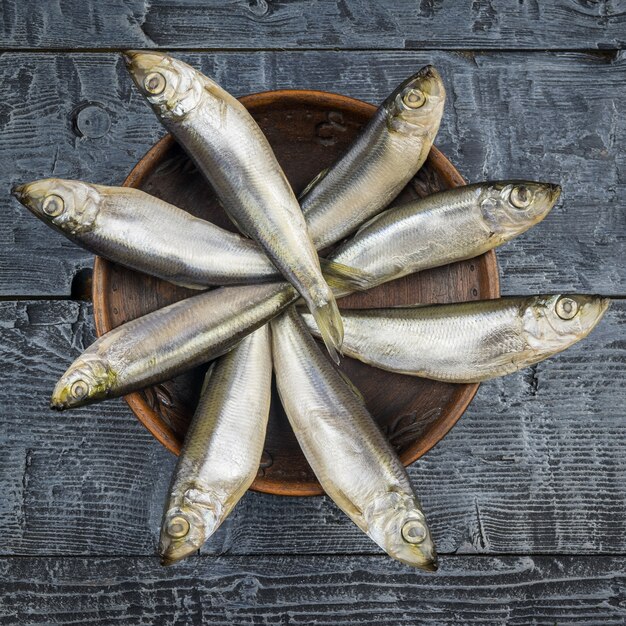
(566, 308)
(521, 196)
(53, 205)
(79, 389)
(154, 83)
(414, 532)
(414, 98)
(177, 527)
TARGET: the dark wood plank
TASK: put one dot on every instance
(316, 590)
(544, 116)
(342, 24)
(536, 465)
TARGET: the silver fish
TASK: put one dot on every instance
(389, 151)
(223, 447)
(140, 231)
(232, 152)
(470, 341)
(445, 227)
(169, 341)
(147, 234)
(351, 458)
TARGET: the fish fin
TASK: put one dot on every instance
(350, 508)
(328, 320)
(313, 183)
(501, 366)
(190, 286)
(207, 377)
(340, 276)
(352, 386)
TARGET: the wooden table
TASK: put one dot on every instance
(527, 494)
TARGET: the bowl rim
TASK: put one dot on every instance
(102, 272)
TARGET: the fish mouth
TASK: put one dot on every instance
(603, 306)
(168, 558)
(428, 71)
(61, 398)
(431, 565)
(58, 402)
(63, 402)
(173, 551)
(431, 80)
(143, 60)
(19, 191)
(555, 192)
(130, 55)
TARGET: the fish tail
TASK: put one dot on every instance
(328, 320)
(341, 277)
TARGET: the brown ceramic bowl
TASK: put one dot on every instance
(308, 131)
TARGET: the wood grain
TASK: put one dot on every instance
(302, 24)
(536, 465)
(554, 116)
(369, 591)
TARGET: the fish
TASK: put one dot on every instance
(230, 149)
(352, 459)
(390, 149)
(147, 234)
(171, 340)
(469, 342)
(144, 233)
(445, 227)
(223, 446)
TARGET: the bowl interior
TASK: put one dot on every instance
(308, 131)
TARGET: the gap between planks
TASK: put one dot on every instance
(609, 53)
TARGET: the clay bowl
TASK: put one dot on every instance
(308, 130)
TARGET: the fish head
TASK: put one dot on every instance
(511, 207)
(69, 205)
(554, 322)
(88, 379)
(189, 520)
(416, 106)
(172, 87)
(397, 524)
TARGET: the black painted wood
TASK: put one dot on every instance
(545, 116)
(536, 465)
(330, 591)
(302, 24)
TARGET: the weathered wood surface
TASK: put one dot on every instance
(536, 465)
(302, 24)
(555, 116)
(316, 590)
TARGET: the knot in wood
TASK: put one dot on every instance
(91, 120)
